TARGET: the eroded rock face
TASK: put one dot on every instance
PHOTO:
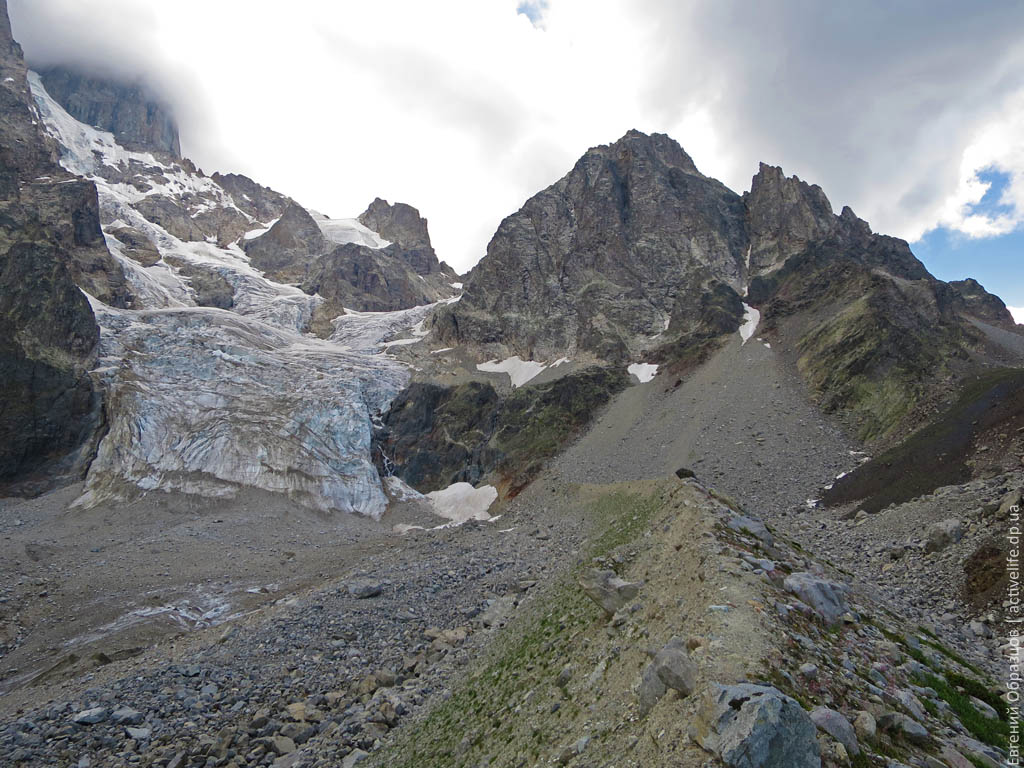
(979, 303)
(603, 257)
(127, 110)
(402, 225)
(785, 215)
(49, 240)
(290, 246)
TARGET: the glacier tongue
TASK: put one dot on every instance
(206, 401)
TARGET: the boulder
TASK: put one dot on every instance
(826, 598)
(943, 533)
(838, 727)
(90, 716)
(607, 590)
(864, 726)
(1011, 503)
(650, 691)
(980, 754)
(364, 588)
(907, 728)
(753, 526)
(674, 667)
(754, 726)
(354, 757)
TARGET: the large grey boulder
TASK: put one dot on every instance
(905, 727)
(607, 590)
(943, 533)
(753, 526)
(650, 691)
(827, 598)
(754, 726)
(838, 727)
(671, 668)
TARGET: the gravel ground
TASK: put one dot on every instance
(741, 422)
(365, 626)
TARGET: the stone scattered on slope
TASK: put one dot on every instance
(838, 727)
(607, 590)
(943, 533)
(825, 597)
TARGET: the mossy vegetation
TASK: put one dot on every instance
(484, 717)
(939, 453)
(991, 731)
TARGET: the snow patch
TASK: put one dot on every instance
(252, 234)
(399, 491)
(643, 371)
(342, 231)
(456, 286)
(751, 318)
(519, 371)
(461, 502)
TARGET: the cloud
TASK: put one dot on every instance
(464, 108)
(1018, 314)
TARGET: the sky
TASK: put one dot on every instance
(908, 112)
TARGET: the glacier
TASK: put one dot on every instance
(206, 401)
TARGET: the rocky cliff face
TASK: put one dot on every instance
(50, 242)
(601, 261)
(127, 110)
(351, 263)
(636, 255)
(402, 225)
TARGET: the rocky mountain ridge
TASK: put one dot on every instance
(635, 255)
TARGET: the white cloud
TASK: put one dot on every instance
(999, 146)
(1018, 313)
(465, 108)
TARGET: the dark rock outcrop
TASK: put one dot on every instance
(510, 437)
(980, 304)
(290, 247)
(404, 274)
(784, 215)
(402, 225)
(50, 244)
(127, 110)
(262, 203)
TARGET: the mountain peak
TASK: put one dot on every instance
(128, 110)
(636, 147)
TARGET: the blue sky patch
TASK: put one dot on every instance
(533, 10)
(995, 262)
(990, 204)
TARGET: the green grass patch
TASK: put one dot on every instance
(993, 732)
(951, 654)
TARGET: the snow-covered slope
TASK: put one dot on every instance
(205, 399)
